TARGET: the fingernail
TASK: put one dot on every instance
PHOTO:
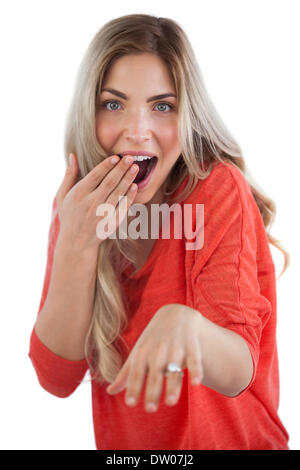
(134, 169)
(151, 406)
(196, 381)
(171, 399)
(114, 160)
(128, 160)
(130, 401)
(70, 159)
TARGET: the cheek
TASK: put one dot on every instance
(105, 133)
(168, 135)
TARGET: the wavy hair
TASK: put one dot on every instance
(203, 138)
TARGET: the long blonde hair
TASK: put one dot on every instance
(203, 138)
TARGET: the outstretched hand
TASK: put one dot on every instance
(172, 335)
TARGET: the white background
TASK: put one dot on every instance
(248, 52)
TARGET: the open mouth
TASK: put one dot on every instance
(145, 166)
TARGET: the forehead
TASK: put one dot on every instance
(139, 69)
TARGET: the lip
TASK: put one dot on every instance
(137, 153)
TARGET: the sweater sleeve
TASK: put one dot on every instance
(224, 275)
(55, 374)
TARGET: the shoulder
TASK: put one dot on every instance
(225, 185)
(226, 201)
(226, 173)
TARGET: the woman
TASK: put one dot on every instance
(133, 309)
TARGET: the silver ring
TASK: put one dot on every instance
(173, 367)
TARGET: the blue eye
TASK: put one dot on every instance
(165, 104)
(108, 102)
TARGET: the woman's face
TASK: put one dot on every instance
(136, 123)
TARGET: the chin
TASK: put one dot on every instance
(142, 197)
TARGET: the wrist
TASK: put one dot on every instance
(67, 247)
(71, 255)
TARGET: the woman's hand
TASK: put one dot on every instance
(172, 335)
(78, 201)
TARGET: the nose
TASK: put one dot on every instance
(137, 126)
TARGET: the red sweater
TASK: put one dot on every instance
(231, 281)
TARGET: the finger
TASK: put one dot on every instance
(155, 383)
(104, 178)
(136, 378)
(174, 379)
(109, 188)
(70, 178)
(127, 180)
(98, 173)
(155, 379)
(194, 360)
(121, 379)
(124, 204)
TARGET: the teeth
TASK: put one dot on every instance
(140, 158)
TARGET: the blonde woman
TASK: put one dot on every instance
(183, 333)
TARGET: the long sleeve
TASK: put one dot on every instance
(226, 287)
(55, 374)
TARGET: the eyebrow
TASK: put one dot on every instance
(125, 97)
